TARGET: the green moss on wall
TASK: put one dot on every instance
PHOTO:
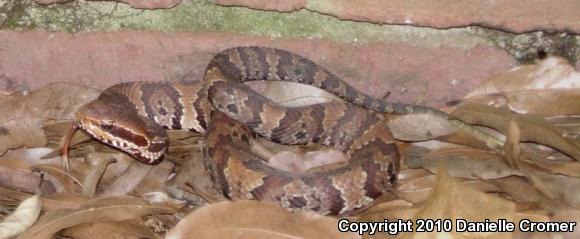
(204, 15)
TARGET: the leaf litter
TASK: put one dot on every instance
(445, 173)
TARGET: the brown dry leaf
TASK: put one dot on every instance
(22, 132)
(56, 132)
(112, 171)
(194, 174)
(545, 103)
(465, 163)
(419, 127)
(453, 200)
(564, 168)
(558, 187)
(130, 229)
(59, 201)
(128, 180)
(156, 178)
(548, 88)
(100, 209)
(95, 174)
(252, 219)
(518, 188)
(566, 214)
(460, 137)
(16, 174)
(70, 180)
(391, 210)
(394, 209)
(31, 156)
(418, 190)
(409, 174)
(163, 198)
(294, 94)
(512, 145)
(22, 218)
(569, 123)
(301, 162)
(38, 156)
(49, 203)
(535, 129)
(55, 101)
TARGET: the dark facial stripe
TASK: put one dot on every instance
(120, 132)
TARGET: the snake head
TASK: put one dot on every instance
(120, 126)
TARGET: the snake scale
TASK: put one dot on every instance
(133, 117)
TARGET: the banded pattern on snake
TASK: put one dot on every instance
(133, 117)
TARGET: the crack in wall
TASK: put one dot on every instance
(204, 15)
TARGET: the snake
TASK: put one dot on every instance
(134, 116)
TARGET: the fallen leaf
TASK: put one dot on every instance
(545, 103)
(512, 145)
(536, 129)
(52, 202)
(56, 132)
(558, 187)
(22, 218)
(302, 162)
(380, 211)
(163, 198)
(569, 123)
(92, 179)
(22, 132)
(566, 214)
(112, 171)
(453, 200)
(54, 101)
(548, 88)
(419, 127)
(294, 94)
(129, 229)
(155, 178)
(465, 164)
(128, 180)
(70, 180)
(519, 189)
(100, 209)
(252, 219)
(418, 190)
(564, 168)
(194, 174)
(15, 174)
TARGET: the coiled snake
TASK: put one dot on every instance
(133, 117)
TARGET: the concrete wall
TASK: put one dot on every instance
(420, 52)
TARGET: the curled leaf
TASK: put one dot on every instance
(453, 200)
(294, 95)
(56, 101)
(534, 129)
(22, 218)
(252, 219)
(22, 132)
(100, 209)
(548, 88)
(418, 127)
(466, 163)
(512, 144)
